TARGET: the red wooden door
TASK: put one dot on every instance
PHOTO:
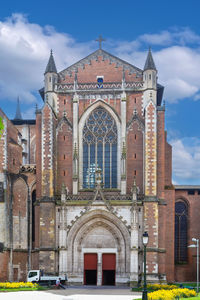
(90, 268)
(108, 268)
(108, 261)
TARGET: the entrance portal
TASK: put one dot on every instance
(90, 269)
(108, 269)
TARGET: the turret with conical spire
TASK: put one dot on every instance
(51, 77)
(149, 64)
(51, 66)
(150, 72)
(18, 115)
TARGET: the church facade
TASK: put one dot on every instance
(81, 183)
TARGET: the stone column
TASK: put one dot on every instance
(99, 269)
(134, 237)
(63, 235)
(123, 143)
(75, 143)
(134, 247)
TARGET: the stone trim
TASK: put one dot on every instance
(159, 250)
(46, 199)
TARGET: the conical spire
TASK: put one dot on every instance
(51, 66)
(18, 115)
(149, 64)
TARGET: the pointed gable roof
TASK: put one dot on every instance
(106, 56)
(149, 64)
(51, 66)
(18, 115)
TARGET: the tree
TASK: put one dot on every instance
(1, 126)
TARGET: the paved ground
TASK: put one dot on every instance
(75, 294)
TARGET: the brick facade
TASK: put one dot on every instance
(65, 221)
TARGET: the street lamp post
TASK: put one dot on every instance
(145, 239)
(196, 245)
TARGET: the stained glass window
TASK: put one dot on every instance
(100, 149)
(181, 226)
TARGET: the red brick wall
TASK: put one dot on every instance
(161, 239)
(64, 157)
(134, 164)
(14, 151)
(169, 234)
(4, 260)
(104, 68)
(20, 198)
(168, 164)
(20, 260)
(38, 155)
(187, 272)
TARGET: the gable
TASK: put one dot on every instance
(100, 63)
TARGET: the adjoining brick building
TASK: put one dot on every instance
(80, 184)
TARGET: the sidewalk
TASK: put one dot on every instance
(73, 294)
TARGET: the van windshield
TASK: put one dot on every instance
(32, 274)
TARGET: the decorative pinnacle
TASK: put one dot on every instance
(75, 81)
(36, 107)
(75, 151)
(123, 151)
(18, 115)
(134, 181)
(100, 40)
(98, 178)
(51, 66)
(149, 64)
(123, 75)
(134, 190)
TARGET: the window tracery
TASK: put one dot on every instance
(181, 227)
(100, 149)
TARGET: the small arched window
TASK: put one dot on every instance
(181, 228)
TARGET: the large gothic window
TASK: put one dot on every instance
(181, 227)
(100, 149)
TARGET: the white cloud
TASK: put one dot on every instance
(178, 68)
(180, 36)
(24, 52)
(186, 160)
(179, 71)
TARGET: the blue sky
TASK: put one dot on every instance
(29, 29)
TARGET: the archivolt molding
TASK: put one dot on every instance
(98, 222)
(183, 199)
(32, 186)
(89, 221)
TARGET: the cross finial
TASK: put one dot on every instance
(100, 40)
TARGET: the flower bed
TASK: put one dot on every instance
(18, 285)
(171, 294)
(156, 287)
